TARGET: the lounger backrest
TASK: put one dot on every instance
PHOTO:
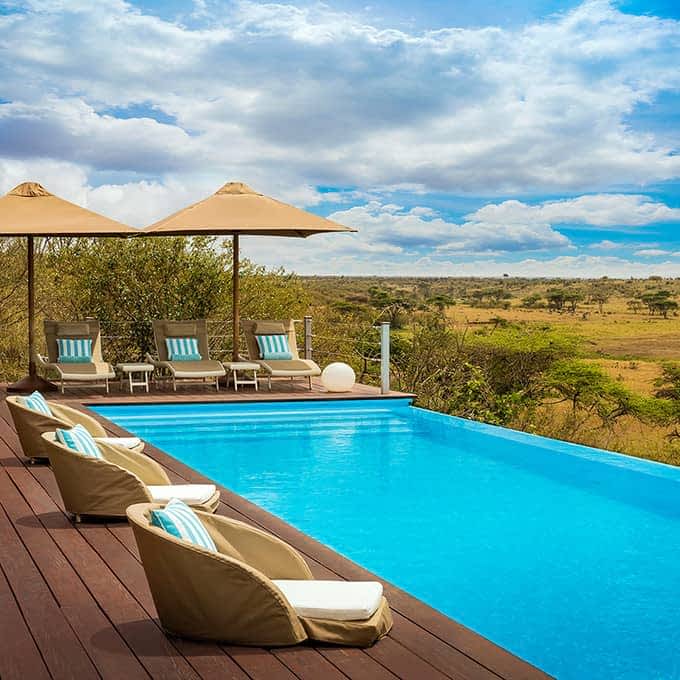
(93, 486)
(252, 327)
(73, 329)
(195, 328)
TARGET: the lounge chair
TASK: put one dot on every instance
(31, 424)
(92, 372)
(278, 368)
(195, 369)
(106, 486)
(255, 590)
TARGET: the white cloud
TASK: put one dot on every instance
(318, 97)
(291, 98)
(652, 252)
(605, 244)
(601, 210)
(419, 228)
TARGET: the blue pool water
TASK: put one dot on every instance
(565, 555)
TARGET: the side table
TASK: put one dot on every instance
(237, 367)
(137, 375)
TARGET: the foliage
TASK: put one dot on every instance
(561, 299)
(127, 282)
(533, 301)
(659, 302)
(514, 356)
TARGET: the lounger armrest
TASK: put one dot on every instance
(71, 415)
(43, 362)
(147, 469)
(262, 551)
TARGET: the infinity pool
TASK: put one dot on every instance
(565, 555)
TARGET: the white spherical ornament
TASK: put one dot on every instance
(338, 377)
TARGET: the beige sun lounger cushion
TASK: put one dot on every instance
(98, 369)
(197, 328)
(125, 442)
(191, 494)
(335, 600)
(278, 368)
(30, 425)
(284, 368)
(193, 369)
(107, 486)
(231, 595)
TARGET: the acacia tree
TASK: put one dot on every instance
(659, 302)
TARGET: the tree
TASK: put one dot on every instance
(391, 306)
(600, 297)
(533, 301)
(556, 298)
(635, 305)
(659, 302)
(127, 283)
(589, 390)
(441, 301)
(572, 298)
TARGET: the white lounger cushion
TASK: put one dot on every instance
(191, 494)
(334, 600)
(125, 442)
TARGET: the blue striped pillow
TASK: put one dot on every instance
(75, 350)
(180, 521)
(274, 346)
(80, 440)
(182, 349)
(36, 402)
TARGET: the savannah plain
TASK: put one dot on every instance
(611, 322)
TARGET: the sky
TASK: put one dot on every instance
(535, 138)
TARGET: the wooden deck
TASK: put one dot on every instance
(74, 602)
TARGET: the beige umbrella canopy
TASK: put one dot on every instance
(30, 210)
(236, 209)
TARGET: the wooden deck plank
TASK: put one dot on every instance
(20, 657)
(102, 642)
(257, 663)
(63, 653)
(143, 636)
(307, 664)
(104, 556)
(207, 659)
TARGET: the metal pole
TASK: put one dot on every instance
(31, 307)
(32, 381)
(384, 357)
(308, 337)
(236, 312)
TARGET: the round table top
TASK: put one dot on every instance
(131, 367)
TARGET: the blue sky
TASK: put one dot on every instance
(536, 138)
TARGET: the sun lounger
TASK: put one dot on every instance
(255, 590)
(93, 372)
(31, 424)
(200, 368)
(278, 368)
(107, 486)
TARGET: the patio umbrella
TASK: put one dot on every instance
(30, 210)
(236, 209)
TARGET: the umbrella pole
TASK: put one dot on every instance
(236, 312)
(32, 381)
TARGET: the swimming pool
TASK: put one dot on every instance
(565, 555)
